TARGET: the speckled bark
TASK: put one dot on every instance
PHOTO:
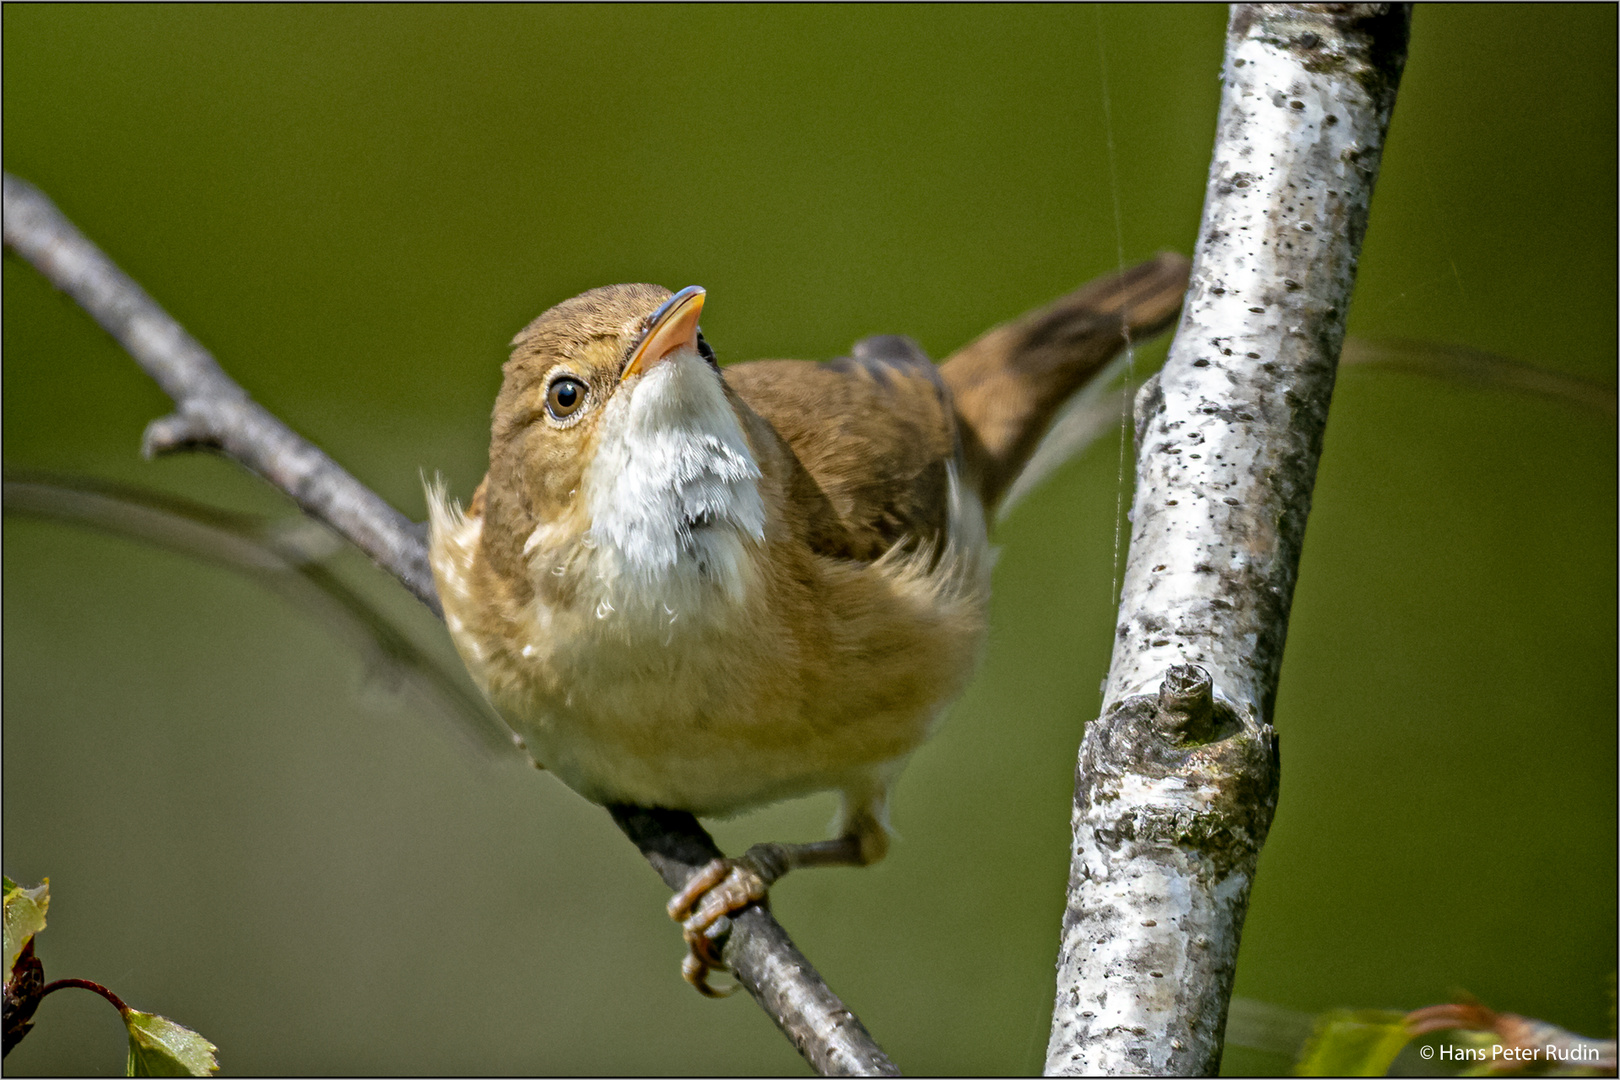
(1177, 779)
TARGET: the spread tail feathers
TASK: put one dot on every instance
(1011, 382)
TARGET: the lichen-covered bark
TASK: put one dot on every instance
(1177, 778)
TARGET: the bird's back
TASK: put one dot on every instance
(876, 431)
(873, 432)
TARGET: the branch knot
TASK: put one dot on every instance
(1183, 767)
(179, 430)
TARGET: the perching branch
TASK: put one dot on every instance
(1177, 779)
(213, 411)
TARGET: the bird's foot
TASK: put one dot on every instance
(704, 906)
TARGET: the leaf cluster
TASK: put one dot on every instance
(157, 1045)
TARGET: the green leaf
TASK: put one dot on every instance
(160, 1047)
(1353, 1042)
(24, 917)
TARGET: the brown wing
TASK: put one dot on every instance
(873, 431)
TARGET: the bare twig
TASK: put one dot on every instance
(1475, 367)
(213, 411)
(285, 557)
(1177, 779)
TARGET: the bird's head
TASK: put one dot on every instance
(616, 444)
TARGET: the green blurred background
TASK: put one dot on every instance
(355, 208)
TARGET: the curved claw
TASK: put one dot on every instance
(702, 958)
(703, 906)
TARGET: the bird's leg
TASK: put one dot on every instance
(726, 886)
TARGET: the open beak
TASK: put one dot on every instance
(674, 326)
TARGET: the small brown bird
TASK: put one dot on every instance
(706, 589)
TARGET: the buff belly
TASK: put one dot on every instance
(716, 719)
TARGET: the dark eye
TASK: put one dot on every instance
(564, 397)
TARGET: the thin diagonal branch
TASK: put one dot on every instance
(213, 411)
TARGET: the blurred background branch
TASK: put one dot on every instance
(285, 556)
(1478, 368)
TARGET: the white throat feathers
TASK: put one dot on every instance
(673, 491)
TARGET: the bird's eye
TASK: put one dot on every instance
(564, 397)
